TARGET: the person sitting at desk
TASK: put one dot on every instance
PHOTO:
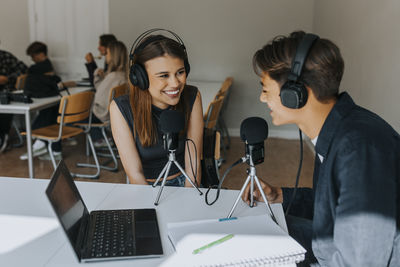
(42, 81)
(161, 65)
(351, 216)
(90, 64)
(117, 61)
(10, 69)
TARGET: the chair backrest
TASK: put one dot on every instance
(117, 91)
(225, 86)
(20, 83)
(212, 115)
(76, 107)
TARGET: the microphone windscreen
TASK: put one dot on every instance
(171, 121)
(254, 130)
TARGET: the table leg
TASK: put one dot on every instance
(29, 143)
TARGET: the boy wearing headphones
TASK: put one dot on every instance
(351, 216)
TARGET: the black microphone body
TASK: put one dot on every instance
(171, 123)
(253, 131)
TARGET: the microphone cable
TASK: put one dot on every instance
(241, 160)
(190, 159)
(298, 173)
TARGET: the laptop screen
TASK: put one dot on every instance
(67, 203)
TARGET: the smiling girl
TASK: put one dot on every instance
(159, 67)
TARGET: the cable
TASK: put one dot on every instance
(298, 173)
(190, 159)
(222, 180)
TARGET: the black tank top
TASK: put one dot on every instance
(154, 157)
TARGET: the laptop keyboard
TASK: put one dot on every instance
(113, 234)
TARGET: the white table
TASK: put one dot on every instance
(208, 90)
(26, 109)
(19, 196)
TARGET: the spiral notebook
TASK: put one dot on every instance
(256, 241)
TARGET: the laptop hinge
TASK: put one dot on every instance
(82, 236)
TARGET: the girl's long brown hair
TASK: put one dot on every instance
(140, 100)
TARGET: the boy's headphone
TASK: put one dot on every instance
(137, 73)
(293, 92)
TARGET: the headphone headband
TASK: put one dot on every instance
(137, 73)
(301, 55)
(140, 38)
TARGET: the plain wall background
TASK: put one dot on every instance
(14, 28)
(367, 32)
(222, 36)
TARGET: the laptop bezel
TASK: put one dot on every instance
(63, 170)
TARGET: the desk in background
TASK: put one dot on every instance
(37, 105)
(19, 196)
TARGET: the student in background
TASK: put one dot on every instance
(10, 69)
(135, 118)
(117, 62)
(351, 216)
(90, 64)
(42, 81)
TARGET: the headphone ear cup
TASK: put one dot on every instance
(293, 95)
(187, 66)
(138, 77)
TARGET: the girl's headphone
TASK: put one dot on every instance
(137, 73)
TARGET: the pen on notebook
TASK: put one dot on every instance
(216, 242)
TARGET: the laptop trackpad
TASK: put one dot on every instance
(147, 234)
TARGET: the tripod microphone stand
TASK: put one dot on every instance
(165, 171)
(251, 178)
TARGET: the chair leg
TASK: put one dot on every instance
(50, 151)
(97, 174)
(112, 154)
(20, 139)
(225, 133)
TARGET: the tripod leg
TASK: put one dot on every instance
(163, 183)
(159, 176)
(251, 191)
(240, 194)
(187, 177)
(265, 200)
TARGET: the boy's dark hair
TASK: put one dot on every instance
(105, 39)
(322, 71)
(36, 48)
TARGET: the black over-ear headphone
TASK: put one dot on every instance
(293, 92)
(137, 73)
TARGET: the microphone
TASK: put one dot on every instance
(253, 131)
(171, 123)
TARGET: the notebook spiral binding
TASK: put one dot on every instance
(277, 260)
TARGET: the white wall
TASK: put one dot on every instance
(14, 28)
(367, 32)
(221, 37)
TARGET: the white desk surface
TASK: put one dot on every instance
(26, 197)
(208, 90)
(37, 104)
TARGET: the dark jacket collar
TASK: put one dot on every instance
(340, 110)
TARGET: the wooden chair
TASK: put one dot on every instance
(73, 108)
(20, 83)
(115, 92)
(212, 114)
(221, 125)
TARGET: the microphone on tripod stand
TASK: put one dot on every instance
(171, 123)
(253, 131)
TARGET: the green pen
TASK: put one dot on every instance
(216, 242)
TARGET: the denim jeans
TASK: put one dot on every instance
(177, 181)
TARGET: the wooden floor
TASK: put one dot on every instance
(279, 167)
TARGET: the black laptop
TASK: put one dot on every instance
(102, 234)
